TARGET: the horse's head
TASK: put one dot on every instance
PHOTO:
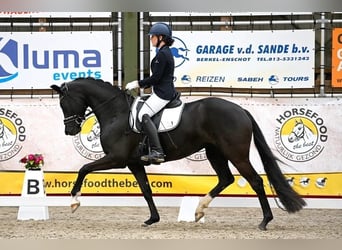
(73, 107)
(297, 132)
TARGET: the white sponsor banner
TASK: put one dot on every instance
(52, 14)
(225, 14)
(39, 59)
(244, 59)
(304, 133)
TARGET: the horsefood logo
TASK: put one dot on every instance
(301, 134)
(179, 51)
(87, 142)
(8, 59)
(12, 134)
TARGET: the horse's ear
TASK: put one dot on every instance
(56, 88)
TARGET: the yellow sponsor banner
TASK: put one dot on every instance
(316, 185)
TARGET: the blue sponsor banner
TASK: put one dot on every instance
(244, 59)
(37, 60)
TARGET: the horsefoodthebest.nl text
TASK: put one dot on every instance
(107, 183)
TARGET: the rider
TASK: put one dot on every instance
(163, 89)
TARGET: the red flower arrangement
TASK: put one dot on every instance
(33, 161)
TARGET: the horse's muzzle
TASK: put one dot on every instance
(73, 124)
(72, 130)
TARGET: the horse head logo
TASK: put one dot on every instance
(7, 137)
(301, 132)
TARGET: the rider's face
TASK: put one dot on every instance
(154, 40)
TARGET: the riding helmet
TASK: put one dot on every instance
(161, 29)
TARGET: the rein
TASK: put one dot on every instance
(78, 119)
(99, 106)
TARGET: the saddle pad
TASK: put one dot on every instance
(170, 117)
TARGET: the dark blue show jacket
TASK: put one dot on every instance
(162, 67)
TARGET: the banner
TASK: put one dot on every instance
(304, 133)
(38, 14)
(336, 57)
(224, 14)
(322, 185)
(39, 59)
(244, 59)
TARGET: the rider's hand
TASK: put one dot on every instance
(132, 85)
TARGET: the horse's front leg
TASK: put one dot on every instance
(140, 175)
(102, 164)
(75, 203)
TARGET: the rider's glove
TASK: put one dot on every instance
(132, 85)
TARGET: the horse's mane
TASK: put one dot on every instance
(97, 81)
(101, 83)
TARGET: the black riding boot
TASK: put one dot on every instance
(156, 154)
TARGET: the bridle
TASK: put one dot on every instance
(78, 119)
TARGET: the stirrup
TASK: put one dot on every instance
(153, 157)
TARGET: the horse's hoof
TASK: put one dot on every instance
(265, 221)
(75, 206)
(262, 227)
(150, 221)
(198, 216)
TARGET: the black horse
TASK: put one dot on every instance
(223, 128)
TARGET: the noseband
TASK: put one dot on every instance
(75, 118)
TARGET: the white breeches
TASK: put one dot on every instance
(152, 106)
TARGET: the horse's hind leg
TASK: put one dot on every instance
(225, 178)
(247, 171)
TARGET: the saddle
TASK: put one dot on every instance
(165, 120)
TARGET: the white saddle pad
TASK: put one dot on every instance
(169, 120)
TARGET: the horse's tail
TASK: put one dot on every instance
(288, 197)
